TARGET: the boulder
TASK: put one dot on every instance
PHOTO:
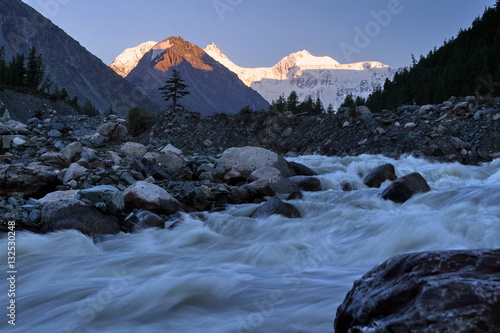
(54, 133)
(133, 148)
(276, 206)
(143, 219)
(405, 187)
(379, 175)
(307, 183)
(450, 291)
(58, 196)
(171, 149)
(72, 152)
(74, 171)
(54, 159)
(113, 131)
(27, 181)
(461, 108)
(112, 156)
(107, 198)
(74, 214)
(248, 159)
(143, 195)
(194, 197)
(301, 170)
(170, 160)
(363, 110)
(268, 173)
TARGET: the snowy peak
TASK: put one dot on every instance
(129, 58)
(173, 51)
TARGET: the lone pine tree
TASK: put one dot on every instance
(174, 89)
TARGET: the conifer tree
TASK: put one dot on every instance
(292, 102)
(35, 70)
(174, 89)
(2, 65)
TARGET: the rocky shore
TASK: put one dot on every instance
(76, 172)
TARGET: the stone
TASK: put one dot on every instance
(171, 149)
(442, 129)
(17, 141)
(74, 171)
(113, 131)
(379, 175)
(54, 133)
(197, 198)
(248, 159)
(133, 148)
(112, 156)
(34, 180)
(426, 109)
(276, 206)
(109, 195)
(410, 126)
(287, 132)
(448, 291)
(170, 160)
(34, 215)
(268, 173)
(461, 108)
(58, 196)
(379, 131)
(208, 143)
(496, 117)
(307, 183)
(405, 187)
(363, 110)
(72, 152)
(143, 195)
(74, 214)
(301, 170)
(459, 144)
(143, 219)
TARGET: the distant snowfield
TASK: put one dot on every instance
(318, 77)
(308, 75)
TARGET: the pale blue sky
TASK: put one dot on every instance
(256, 33)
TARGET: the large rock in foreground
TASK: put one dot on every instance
(249, 159)
(74, 214)
(143, 195)
(405, 187)
(452, 291)
(276, 206)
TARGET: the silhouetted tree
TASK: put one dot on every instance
(292, 102)
(35, 70)
(174, 89)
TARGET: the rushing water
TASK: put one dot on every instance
(231, 273)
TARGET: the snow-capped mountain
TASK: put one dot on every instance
(308, 75)
(129, 58)
(213, 87)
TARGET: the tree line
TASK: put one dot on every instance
(462, 66)
(28, 73)
(292, 104)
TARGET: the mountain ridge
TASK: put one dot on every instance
(68, 63)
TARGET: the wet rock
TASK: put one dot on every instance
(301, 170)
(248, 159)
(74, 214)
(451, 291)
(133, 148)
(155, 170)
(72, 152)
(405, 187)
(276, 206)
(143, 195)
(379, 175)
(307, 183)
(196, 197)
(108, 195)
(143, 219)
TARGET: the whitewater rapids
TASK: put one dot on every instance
(230, 273)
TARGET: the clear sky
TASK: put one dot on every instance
(258, 33)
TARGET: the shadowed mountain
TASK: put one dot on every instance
(213, 87)
(68, 63)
